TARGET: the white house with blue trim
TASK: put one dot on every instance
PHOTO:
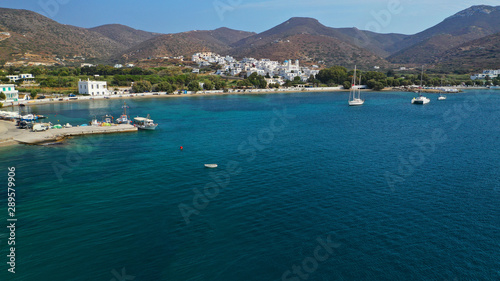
(11, 94)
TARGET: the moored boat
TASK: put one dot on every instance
(420, 99)
(145, 123)
(355, 94)
(124, 119)
(29, 117)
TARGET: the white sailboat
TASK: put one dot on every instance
(441, 97)
(420, 99)
(355, 94)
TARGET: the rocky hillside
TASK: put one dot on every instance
(473, 56)
(126, 36)
(33, 33)
(186, 44)
(467, 25)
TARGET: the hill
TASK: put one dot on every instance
(428, 45)
(124, 35)
(33, 33)
(185, 44)
(473, 56)
(313, 48)
(379, 44)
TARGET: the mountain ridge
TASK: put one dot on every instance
(469, 24)
(299, 37)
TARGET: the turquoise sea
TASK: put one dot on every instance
(307, 188)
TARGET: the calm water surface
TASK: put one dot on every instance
(401, 192)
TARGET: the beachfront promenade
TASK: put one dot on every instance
(163, 94)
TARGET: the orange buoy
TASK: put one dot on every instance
(182, 147)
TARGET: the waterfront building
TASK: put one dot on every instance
(11, 94)
(93, 88)
(490, 73)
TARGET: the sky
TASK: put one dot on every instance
(383, 16)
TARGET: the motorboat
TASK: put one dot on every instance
(29, 117)
(420, 100)
(145, 123)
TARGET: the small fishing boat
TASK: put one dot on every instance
(94, 122)
(29, 117)
(211, 166)
(124, 119)
(107, 119)
(145, 123)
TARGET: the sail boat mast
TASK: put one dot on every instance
(421, 78)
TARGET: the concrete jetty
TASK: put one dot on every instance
(11, 135)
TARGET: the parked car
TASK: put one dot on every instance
(40, 127)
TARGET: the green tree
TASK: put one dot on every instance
(347, 85)
(142, 86)
(194, 86)
(219, 84)
(164, 87)
(258, 81)
(33, 94)
(36, 71)
(396, 83)
(332, 75)
(378, 86)
(208, 85)
(2, 96)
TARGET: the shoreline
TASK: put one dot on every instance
(176, 95)
(210, 93)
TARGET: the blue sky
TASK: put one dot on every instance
(385, 16)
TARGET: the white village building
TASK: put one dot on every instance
(15, 78)
(11, 94)
(93, 88)
(229, 66)
(491, 73)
